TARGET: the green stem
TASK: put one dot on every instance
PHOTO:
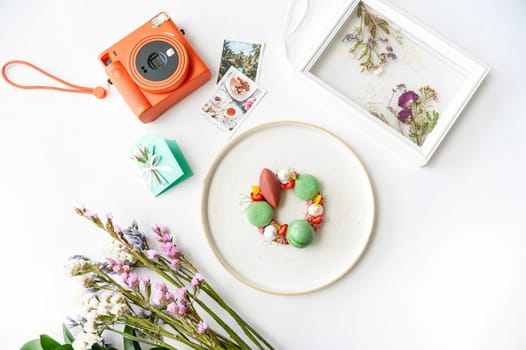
(142, 340)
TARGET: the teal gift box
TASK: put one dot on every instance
(161, 163)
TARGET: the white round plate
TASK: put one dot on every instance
(348, 218)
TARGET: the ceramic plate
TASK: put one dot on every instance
(348, 197)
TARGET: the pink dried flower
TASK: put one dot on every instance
(170, 250)
(133, 280)
(165, 238)
(152, 254)
(117, 229)
(158, 298)
(164, 230)
(197, 280)
(161, 287)
(181, 293)
(182, 310)
(175, 264)
(169, 297)
(202, 327)
(156, 229)
(172, 308)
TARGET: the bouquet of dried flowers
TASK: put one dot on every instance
(159, 315)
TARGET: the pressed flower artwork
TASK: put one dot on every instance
(414, 115)
(368, 51)
(371, 40)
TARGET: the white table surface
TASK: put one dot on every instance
(446, 266)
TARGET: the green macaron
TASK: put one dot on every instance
(306, 187)
(260, 213)
(300, 233)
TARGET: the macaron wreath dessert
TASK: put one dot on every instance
(265, 199)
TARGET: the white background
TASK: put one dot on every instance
(446, 266)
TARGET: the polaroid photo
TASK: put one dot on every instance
(244, 56)
(232, 100)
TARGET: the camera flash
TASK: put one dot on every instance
(170, 52)
(159, 19)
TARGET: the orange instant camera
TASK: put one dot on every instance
(154, 67)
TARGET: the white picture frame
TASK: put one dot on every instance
(338, 79)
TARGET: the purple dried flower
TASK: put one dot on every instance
(407, 99)
(135, 237)
(371, 42)
(405, 115)
(350, 37)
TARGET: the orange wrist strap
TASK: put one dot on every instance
(98, 92)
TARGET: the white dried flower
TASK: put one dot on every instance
(84, 341)
(90, 326)
(76, 267)
(117, 298)
(90, 301)
(92, 315)
(88, 281)
(119, 252)
(378, 70)
(119, 309)
(106, 296)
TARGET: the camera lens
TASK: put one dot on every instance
(157, 60)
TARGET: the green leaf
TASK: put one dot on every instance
(97, 346)
(366, 19)
(373, 31)
(364, 52)
(384, 27)
(435, 121)
(359, 11)
(65, 347)
(68, 337)
(130, 344)
(48, 343)
(32, 345)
